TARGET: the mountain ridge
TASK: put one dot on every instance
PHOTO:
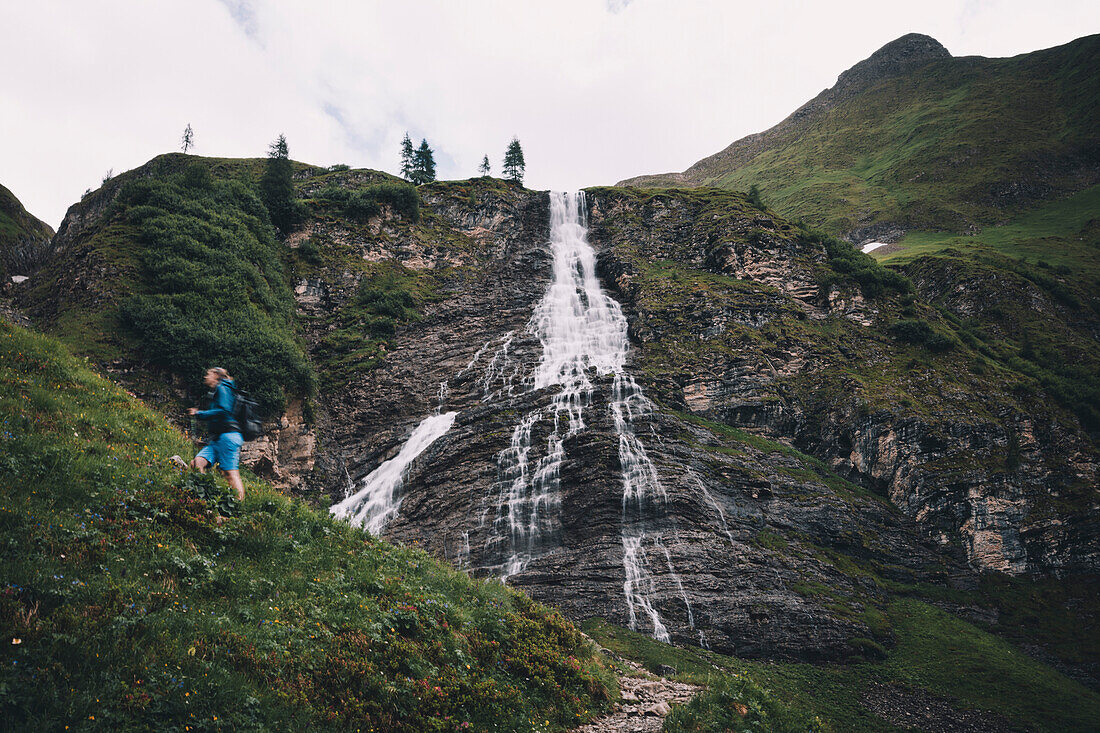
(888, 145)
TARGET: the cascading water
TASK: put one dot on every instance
(377, 502)
(583, 333)
(581, 330)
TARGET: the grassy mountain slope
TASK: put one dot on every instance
(934, 143)
(944, 674)
(23, 238)
(173, 266)
(124, 605)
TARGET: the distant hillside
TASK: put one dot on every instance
(24, 239)
(913, 138)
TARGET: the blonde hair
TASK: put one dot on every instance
(220, 371)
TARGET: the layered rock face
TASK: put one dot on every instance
(753, 546)
(960, 451)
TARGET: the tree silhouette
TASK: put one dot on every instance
(484, 167)
(188, 140)
(276, 187)
(514, 165)
(407, 156)
(423, 164)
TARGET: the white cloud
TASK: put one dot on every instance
(597, 90)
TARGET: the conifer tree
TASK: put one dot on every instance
(407, 156)
(276, 187)
(514, 165)
(423, 164)
(484, 167)
(188, 140)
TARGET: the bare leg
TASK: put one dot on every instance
(199, 464)
(234, 478)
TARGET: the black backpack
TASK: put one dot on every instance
(247, 415)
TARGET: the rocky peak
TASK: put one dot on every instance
(894, 59)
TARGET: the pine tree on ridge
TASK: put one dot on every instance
(407, 156)
(423, 169)
(514, 165)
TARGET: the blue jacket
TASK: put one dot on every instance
(220, 415)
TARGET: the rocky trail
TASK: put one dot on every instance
(646, 700)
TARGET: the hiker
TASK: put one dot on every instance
(224, 448)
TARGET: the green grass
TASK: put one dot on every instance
(924, 149)
(124, 605)
(934, 651)
(389, 296)
(1061, 233)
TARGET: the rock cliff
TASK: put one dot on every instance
(802, 449)
(811, 463)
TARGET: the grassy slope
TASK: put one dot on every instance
(1063, 233)
(17, 226)
(935, 652)
(923, 149)
(124, 605)
(16, 222)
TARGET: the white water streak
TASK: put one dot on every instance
(582, 332)
(639, 587)
(377, 502)
(676, 578)
(710, 498)
(497, 370)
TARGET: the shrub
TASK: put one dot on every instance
(309, 251)
(754, 196)
(912, 331)
(366, 202)
(848, 263)
(737, 703)
(939, 342)
(212, 289)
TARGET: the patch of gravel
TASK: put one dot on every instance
(646, 700)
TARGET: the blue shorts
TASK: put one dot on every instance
(225, 450)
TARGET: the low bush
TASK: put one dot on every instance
(848, 263)
(212, 289)
(364, 203)
(735, 703)
(911, 331)
(919, 332)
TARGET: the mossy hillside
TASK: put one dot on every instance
(173, 266)
(692, 320)
(936, 148)
(1062, 233)
(1031, 320)
(23, 238)
(937, 653)
(382, 272)
(718, 218)
(693, 326)
(125, 605)
(362, 330)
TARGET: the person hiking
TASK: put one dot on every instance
(224, 448)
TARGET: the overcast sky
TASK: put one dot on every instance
(596, 90)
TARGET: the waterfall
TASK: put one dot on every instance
(583, 335)
(582, 331)
(377, 501)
